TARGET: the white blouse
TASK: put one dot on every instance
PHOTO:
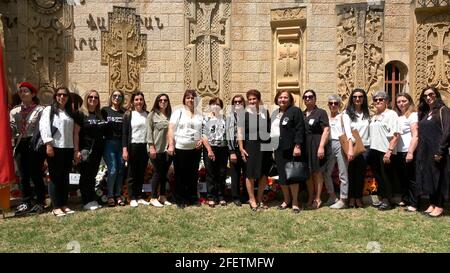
(405, 131)
(336, 126)
(187, 130)
(63, 137)
(138, 127)
(382, 129)
(362, 125)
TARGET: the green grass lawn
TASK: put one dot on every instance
(226, 229)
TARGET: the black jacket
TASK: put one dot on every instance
(292, 128)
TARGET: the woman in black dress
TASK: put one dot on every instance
(432, 174)
(255, 150)
(317, 146)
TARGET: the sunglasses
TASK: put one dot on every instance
(93, 97)
(357, 97)
(432, 94)
(333, 103)
(237, 102)
(310, 97)
(64, 95)
(117, 96)
(378, 100)
(163, 100)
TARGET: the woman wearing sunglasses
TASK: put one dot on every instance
(432, 174)
(384, 135)
(339, 124)
(358, 111)
(113, 115)
(237, 165)
(318, 149)
(58, 137)
(157, 127)
(89, 147)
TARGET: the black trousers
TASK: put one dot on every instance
(186, 175)
(216, 172)
(237, 170)
(384, 174)
(161, 164)
(137, 164)
(88, 172)
(30, 164)
(407, 176)
(59, 168)
(356, 174)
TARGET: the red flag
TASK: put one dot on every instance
(7, 174)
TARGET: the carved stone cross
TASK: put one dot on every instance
(288, 55)
(440, 47)
(124, 48)
(207, 32)
(360, 40)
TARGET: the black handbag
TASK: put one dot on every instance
(297, 171)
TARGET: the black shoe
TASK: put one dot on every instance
(22, 209)
(377, 204)
(384, 206)
(36, 209)
(237, 203)
(296, 210)
(181, 205)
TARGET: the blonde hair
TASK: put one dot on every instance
(85, 108)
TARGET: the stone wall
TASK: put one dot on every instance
(248, 34)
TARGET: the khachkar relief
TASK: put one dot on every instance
(46, 43)
(207, 52)
(288, 28)
(433, 53)
(124, 49)
(360, 48)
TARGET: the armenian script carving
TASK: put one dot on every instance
(45, 43)
(123, 48)
(360, 48)
(207, 53)
(288, 28)
(433, 54)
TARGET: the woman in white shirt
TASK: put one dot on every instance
(337, 122)
(404, 162)
(59, 139)
(185, 144)
(358, 111)
(134, 147)
(384, 135)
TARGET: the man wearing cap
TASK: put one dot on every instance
(24, 119)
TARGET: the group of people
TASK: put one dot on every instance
(407, 149)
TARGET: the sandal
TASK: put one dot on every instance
(211, 204)
(120, 201)
(111, 202)
(58, 212)
(252, 207)
(284, 206)
(223, 202)
(316, 204)
(262, 205)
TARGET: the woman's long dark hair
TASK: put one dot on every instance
(424, 108)
(351, 107)
(135, 94)
(155, 108)
(67, 107)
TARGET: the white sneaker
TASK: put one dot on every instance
(143, 202)
(155, 203)
(93, 205)
(167, 203)
(331, 201)
(133, 204)
(338, 205)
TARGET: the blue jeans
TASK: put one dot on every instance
(115, 164)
